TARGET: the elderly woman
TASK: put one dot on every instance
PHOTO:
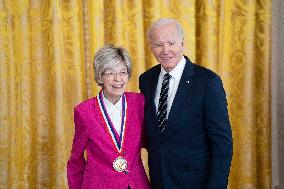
(109, 128)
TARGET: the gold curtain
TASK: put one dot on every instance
(46, 53)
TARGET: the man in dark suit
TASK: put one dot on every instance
(187, 124)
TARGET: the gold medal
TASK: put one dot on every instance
(120, 164)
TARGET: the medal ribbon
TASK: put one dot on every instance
(118, 142)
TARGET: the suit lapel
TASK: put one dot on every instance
(153, 83)
(98, 114)
(130, 109)
(182, 92)
(100, 119)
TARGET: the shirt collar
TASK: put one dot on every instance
(177, 71)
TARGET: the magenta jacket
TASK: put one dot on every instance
(91, 135)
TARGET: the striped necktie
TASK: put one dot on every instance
(162, 107)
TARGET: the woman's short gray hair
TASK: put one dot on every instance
(108, 57)
(162, 22)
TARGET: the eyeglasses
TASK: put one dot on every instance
(112, 74)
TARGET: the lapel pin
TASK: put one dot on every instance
(187, 82)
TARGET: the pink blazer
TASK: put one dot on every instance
(91, 135)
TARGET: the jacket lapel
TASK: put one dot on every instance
(98, 114)
(181, 94)
(153, 83)
(129, 111)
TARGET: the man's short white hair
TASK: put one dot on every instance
(162, 22)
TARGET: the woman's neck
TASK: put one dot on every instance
(112, 99)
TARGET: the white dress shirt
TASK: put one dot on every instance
(173, 85)
(115, 112)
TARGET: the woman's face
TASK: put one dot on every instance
(115, 82)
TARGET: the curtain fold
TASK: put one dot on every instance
(46, 68)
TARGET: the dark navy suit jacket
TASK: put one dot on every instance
(195, 149)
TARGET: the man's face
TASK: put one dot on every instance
(167, 46)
